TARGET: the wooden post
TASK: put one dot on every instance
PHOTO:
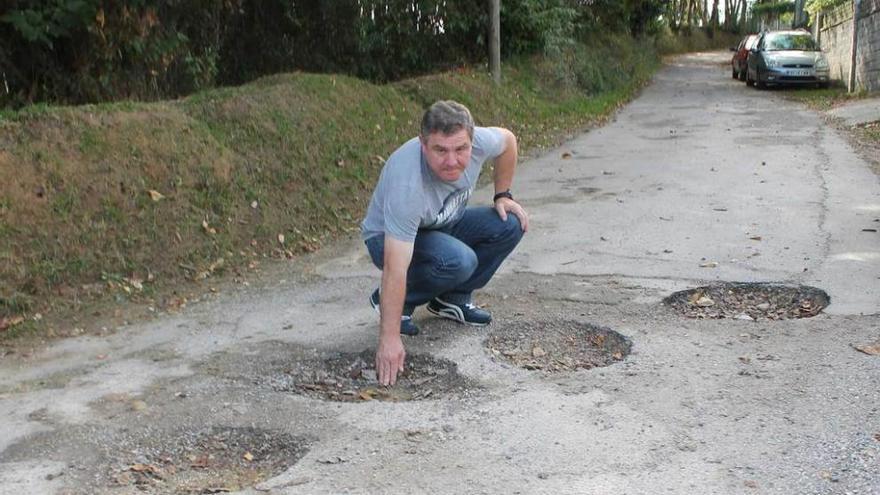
(495, 40)
(851, 87)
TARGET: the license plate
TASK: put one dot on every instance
(799, 73)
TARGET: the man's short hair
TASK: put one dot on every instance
(447, 117)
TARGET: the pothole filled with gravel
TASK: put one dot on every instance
(750, 301)
(216, 460)
(351, 377)
(557, 345)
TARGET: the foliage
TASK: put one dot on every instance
(91, 50)
(79, 51)
(816, 6)
(773, 8)
(535, 26)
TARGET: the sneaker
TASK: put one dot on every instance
(407, 326)
(462, 313)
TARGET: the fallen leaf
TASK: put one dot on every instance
(750, 484)
(566, 155)
(254, 204)
(7, 323)
(155, 195)
(281, 239)
(145, 468)
(869, 349)
(248, 456)
(538, 352)
(709, 264)
(138, 405)
(207, 228)
(333, 460)
(368, 393)
(705, 302)
(755, 238)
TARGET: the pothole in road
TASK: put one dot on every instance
(351, 377)
(220, 459)
(557, 345)
(750, 301)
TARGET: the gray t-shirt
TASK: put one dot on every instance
(410, 197)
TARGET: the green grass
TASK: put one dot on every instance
(825, 99)
(75, 182)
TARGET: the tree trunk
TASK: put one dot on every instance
(713, 20)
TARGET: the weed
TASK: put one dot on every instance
(90, 142)
(826, 98)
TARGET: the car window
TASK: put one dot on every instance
(790, 42)
(751, 41)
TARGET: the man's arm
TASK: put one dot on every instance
(390, 353)
(505, 164)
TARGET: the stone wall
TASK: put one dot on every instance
(834, 32)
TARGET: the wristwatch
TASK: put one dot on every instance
(502, 194)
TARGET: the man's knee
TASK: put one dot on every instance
(512, 229)
(459, 265)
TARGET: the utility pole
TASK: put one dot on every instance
(851, 87)
(495, 40)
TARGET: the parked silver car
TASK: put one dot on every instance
(787, 57)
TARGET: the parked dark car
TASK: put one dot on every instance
(787, 57)
(740, 55)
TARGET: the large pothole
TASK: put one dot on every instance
(750, 301)
(557, 345)
(219, 459)
(146, 458)
(348, 376)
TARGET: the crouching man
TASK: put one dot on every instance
(418, 230)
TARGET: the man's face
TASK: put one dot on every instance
(447, 154)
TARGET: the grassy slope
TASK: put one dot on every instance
(289, 158)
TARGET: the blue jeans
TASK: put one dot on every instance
(454, 261)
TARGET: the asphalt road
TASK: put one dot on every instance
(699, 180)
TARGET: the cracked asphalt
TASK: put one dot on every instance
(698, 180)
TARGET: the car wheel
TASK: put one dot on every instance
(749, 80)
(734, 74)
(758, 82)
(742, 75)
